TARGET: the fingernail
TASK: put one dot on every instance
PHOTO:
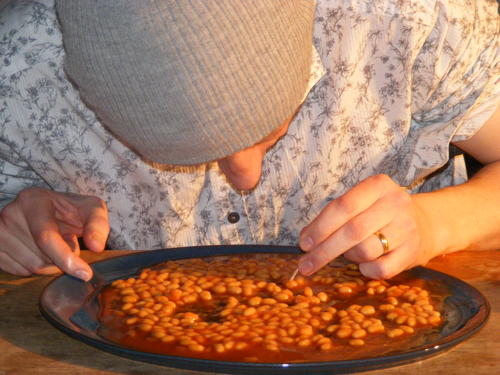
(306, 243)
(83, 275)
(306, 267)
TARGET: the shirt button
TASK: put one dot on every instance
(233, 217)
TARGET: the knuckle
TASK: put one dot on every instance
(26, 195)
(44, 238)
(345, 205)
(86, 199)
(355, 230)
(361, 254)
(410, 226)
(401, 197)
(354, 255)
(97, 202)
(9, 214)
(381, 271)
(351, 255)
(320, 257)
(106, 227)
(382, 180)
(99, 224)
(33, 266)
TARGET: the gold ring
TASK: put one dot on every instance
(384, 241)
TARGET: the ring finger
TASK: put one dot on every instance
(388, 265)
(11, 266)
(30, 258)
(372, 247)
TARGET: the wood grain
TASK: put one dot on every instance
(30, 345)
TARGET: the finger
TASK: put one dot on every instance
(366, 251)
(67, 232)
(29, 260)
(66, 212)
(353, 232)
(96, 229)
(344, 208)
(371, 248)
(11, 266)
(46, 233)
(50, 270)
(51, 242)
(28, 257)
(72, 241)
(388, 265)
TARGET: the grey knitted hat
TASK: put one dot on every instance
(189, 81)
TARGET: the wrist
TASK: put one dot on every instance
(442, 225)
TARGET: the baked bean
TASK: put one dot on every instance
(326, 346)
(358, 334)
(304, 343)
(356, 342)
(407, 329)
(434, 319)
(250, 311)
(131, 321)
(127, 306)
(196, 347)
(344, 332)
(421, 320)
(386, 307)
(274, 347)
(327, 316)
(342, 314)
(306, 330)
(392, 300)
(395, 332)
(145, 327)
(345, 290)
(375, 328)
(367, 310)
(401, 319)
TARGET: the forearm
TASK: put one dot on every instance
(465, 216)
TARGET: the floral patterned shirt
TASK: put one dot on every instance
(402, 80)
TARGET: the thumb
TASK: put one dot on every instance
(94, 214)
(96, 229)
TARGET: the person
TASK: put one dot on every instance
(326, 124)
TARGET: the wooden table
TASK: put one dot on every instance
(29, 345)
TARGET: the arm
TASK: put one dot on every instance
(467, 216)
(418, 227)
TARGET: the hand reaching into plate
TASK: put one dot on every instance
(376, 224)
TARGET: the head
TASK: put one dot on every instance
(189, 82)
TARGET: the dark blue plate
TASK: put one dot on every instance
(71, 306)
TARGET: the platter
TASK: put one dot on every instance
(72, 306)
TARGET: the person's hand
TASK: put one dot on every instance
(39, 232)
(347, 225)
